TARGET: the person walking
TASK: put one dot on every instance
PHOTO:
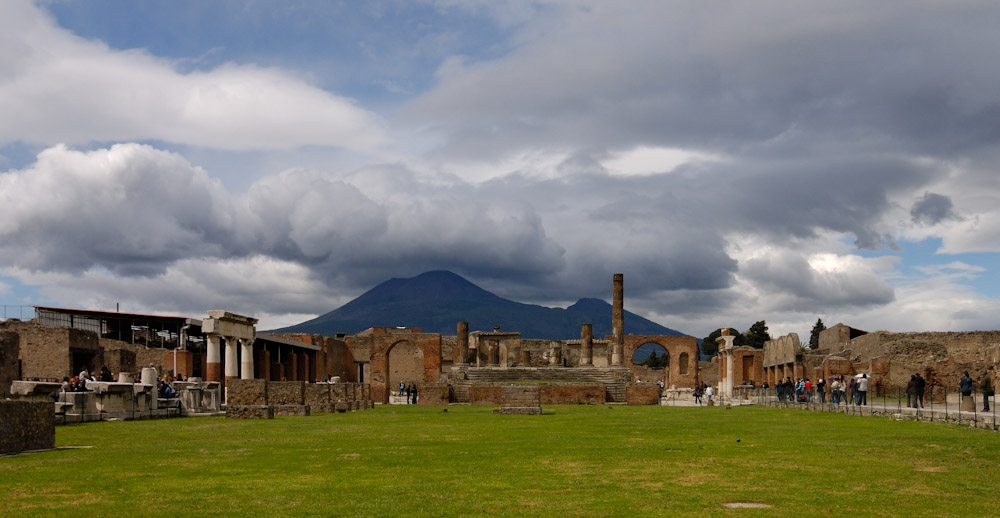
(863, 390)
(986, 387)
(821, 390)
(911, 392)
(919, 390)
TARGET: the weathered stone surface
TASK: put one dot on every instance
(572, 394)
(294, 410)
(285, 392)
(642, 394)
(433, 394)
(484, 395)
(26, 426)
(246, 392)
(250, 412)
(9, 365)
(317, 396)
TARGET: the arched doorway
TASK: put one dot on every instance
(651, 362)
(404, 364)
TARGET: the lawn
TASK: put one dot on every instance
(572, 461)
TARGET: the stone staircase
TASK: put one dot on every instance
(615, 393)
(610, 376)
(461, 392)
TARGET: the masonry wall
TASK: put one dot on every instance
(572, 394)
(10, 365)
(26, 426)
(642, 394)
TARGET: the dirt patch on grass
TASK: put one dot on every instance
(351, 456)
(931, 469)
(747, 505)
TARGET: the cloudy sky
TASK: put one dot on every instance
(737, 161)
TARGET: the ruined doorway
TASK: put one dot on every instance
(651, 362)
(747, 369)
(83, 359)
(404, 364)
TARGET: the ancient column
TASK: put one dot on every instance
(462, 347)
(553, 354)
(213, 365)
(726, 347)
(586, 345)
(618, 319)
(246, 360)
(232, 368)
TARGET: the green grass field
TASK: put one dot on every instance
(572, 461)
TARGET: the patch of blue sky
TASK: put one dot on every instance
(379, 53)
(919, 259)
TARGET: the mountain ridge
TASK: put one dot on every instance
(437, 300)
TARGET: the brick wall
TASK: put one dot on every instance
(433, 394)
(484, 395)
(572, 394)
(26, 426)
(642, 394)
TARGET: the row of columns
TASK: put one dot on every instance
(243, 370)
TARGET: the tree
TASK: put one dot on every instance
(757, 335)
(710, 347)
(653, 361)
(814, 334)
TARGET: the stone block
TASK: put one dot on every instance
(252, 392)
(285, 392)
(484, 395)
(294, 410)
(572, 394)
(433, 394)
(338, 392)
(642, 394)
(317, 396)
(26, 426)
(250, 411)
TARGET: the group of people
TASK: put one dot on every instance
(79, 382)
(802, 390)
(702, 390)
(966, 386)
(410, 391)
(915, 391)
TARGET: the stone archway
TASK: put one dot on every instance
(650, 362)
(404, 364)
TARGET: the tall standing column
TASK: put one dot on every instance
(586, 344)
(213, 365)
(726, 348)
(232, 368)
(462, 347)
(246, 360)
(618, 319)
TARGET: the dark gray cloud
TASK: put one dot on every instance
(932, 209)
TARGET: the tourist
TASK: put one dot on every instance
(660, 384)
(808, 386)
(821, 390)
(65, 387)
(105, 374)
(863, 390)
(708, 393)
(911, 392)
(409, 393)
(965, 385)
(986, 387)
(919, 390)
(800, 390)
(402, 388)
(414, 393)
(698, 391)
(852, 391)
(836, 387)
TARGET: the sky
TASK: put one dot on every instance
(737, 161)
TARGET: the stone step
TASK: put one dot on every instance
(565, 375)
(461, 393)
(615, 393)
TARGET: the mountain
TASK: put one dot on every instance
(436, 301)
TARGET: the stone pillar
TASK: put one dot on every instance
(586, 345)
(618, 320)
(213, 365)
(462, 347)
(292, 368)
(246, 360)
(493, 354)
(726, 348)
(232, 368)
(553, 354)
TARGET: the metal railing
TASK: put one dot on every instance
(20, 312)
(933, 405)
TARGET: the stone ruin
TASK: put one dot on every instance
(263, 399)
(520, 399)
